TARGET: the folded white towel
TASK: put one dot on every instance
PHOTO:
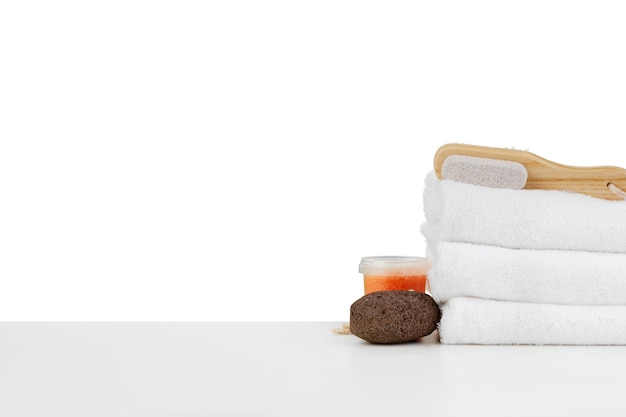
(541, 276)
(531, 219)
(485, 322)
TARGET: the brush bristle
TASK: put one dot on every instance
(494, 173)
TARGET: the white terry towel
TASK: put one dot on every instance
(528, 275)
(530, 219)
(487, 322)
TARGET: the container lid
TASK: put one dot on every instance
(393, 265)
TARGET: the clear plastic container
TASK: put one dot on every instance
(387, 273)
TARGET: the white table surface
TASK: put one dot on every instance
(291, 369)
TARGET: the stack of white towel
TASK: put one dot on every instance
(525, 266)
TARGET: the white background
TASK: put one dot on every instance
(234, 160)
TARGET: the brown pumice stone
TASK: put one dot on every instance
(394, 316)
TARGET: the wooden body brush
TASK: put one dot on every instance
(516, 169)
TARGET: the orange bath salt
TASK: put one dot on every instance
(375, 283)
(388, 273)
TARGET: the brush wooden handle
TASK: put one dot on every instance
(544, 174)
